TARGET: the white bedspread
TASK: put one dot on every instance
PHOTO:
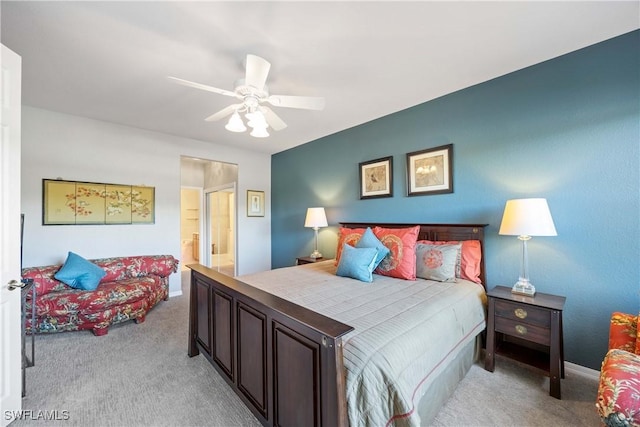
(405, 332)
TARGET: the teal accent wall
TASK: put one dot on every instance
(567, 129)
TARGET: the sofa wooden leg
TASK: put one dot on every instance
(139, 319)
(100, 331)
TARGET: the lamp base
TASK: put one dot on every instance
(315, 254)
(523, 288)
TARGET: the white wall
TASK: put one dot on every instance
(74, 148)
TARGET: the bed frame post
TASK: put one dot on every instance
(192, 348)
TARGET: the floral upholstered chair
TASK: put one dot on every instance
(619, 390)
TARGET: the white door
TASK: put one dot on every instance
(10, 319)
(219, 236)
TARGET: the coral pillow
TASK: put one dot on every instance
(470, 257)
(401, 261)
(623, 331)
(350, 236)
(437, 262)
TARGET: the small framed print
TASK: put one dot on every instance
(376, 178)
(255, 203)
(430, 171)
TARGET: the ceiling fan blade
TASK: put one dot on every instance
(201, 86)
(223, 113)
(257, 71)
(304, 102)
(272, 118)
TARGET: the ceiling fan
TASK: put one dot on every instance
(253, 92)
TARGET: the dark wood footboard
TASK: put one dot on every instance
(283, 360)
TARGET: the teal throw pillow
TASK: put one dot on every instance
(357, 263)
(369, 240)
(80, 273)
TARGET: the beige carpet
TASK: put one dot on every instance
(517, 395)
(140, 375)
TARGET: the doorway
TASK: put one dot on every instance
(190, 208)
(208, 214)
(220, 228)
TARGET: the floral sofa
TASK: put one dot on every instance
(131, 286)
(618, 401)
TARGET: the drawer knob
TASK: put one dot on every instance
(520, 313)
(521, 330)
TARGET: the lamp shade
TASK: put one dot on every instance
(527, 217)
(315, 218)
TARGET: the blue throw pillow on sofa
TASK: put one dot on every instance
(79, 273)
(357, 263)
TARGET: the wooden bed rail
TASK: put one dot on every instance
(283, 360)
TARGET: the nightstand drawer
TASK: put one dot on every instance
(523, 313)
(523, 330)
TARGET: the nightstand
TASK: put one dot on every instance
(527, 329)
(307, 260)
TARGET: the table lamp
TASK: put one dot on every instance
(526, 218)
(315, 219)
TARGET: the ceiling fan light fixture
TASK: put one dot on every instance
(256, 120)
(252, 92)
(259, 132)
(235, 124)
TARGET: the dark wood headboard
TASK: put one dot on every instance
(435, 232)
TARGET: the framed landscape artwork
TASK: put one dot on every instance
(77, 203)
(430, 171)
(376, 178)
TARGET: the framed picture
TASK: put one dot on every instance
(255, 203)
(76, 203)
(376, 178)
(430, 171)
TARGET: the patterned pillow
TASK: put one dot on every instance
(350, 236)
(637, 340)
(369, 240)
(468, 263)
(357, 263)
(437, 262)
(401, 261)
(623, 331)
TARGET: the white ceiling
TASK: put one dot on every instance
(109, 60)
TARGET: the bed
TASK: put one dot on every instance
(300, 345)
